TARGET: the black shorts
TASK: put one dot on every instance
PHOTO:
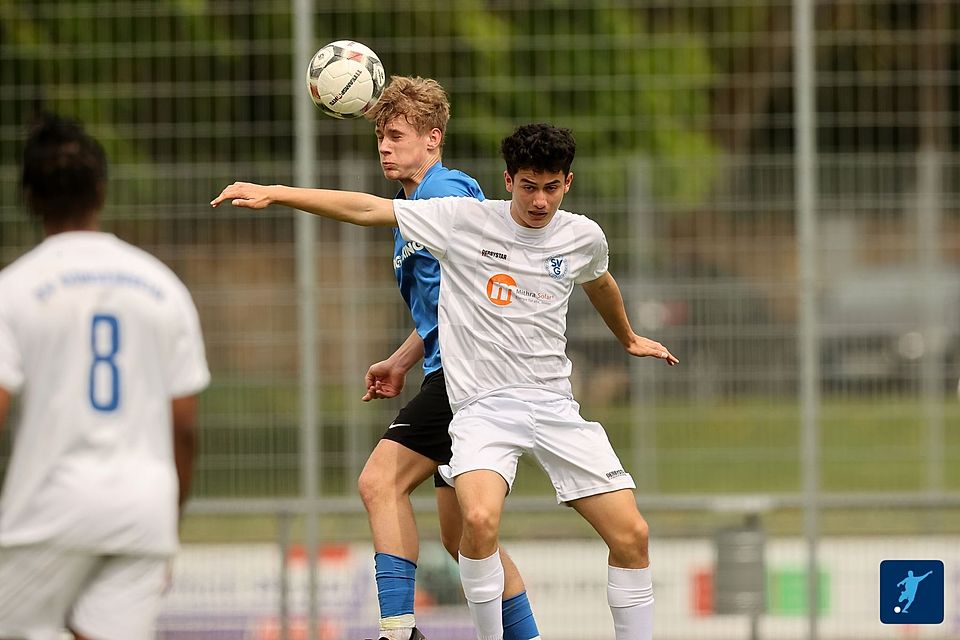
(423, 424)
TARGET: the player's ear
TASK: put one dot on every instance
(508, 181)
(434, 139)
(567, 181)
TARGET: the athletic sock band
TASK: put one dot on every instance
(396, 585)
(518, 620)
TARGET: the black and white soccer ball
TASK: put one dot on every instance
(345, 79)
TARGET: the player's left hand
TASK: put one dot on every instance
(245, 194)
(384, 380)
(645, 347)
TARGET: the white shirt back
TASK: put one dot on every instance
(504, 291)
(99, 336)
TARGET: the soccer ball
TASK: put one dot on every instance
(345, 79)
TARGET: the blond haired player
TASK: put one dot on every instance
(410, 123)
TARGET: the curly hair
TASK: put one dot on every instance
(64, 170)
(422, 102)
(540, 147)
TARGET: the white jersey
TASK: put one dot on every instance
(99, 336)
(504, 291)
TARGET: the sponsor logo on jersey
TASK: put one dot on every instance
(619, 473)
(408, 250)
(502, 288)
(556, 267)
(493, 254)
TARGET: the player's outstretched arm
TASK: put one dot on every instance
(345, 206)
(605, 296)
(385, 379)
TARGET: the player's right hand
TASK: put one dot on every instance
(245, 194)
(383, 381)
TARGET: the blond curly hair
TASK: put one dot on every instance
(422, 102)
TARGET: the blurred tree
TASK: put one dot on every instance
(172, 84)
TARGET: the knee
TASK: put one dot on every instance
(371, 487)
(630, 545)
(481, 523)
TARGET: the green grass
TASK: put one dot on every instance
(250, 444)
(754, 445)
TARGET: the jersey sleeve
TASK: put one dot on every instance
(599, 254)
(187, 372)
(11, 363)
(429, 222)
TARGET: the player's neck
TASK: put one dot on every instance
(410, 184)
(90, 223)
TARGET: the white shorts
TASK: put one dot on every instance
(45, 589)
(492, 433)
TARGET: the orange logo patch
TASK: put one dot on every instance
(500, 289)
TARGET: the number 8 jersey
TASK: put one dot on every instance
(98, 337)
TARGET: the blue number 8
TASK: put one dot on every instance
(104, 357)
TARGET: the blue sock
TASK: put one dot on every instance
(518, 622)
(396, 583)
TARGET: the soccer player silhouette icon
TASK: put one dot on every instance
(909, 584)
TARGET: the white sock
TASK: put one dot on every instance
(396, 634)
(400, 633)
(630, 594)
(483, 586)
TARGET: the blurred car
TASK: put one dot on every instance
(878, 326)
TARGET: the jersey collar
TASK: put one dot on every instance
(434, 168)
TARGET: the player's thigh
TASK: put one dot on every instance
(392, 467)
(576, 453)
(482, 494)
(613, 515)
(122, 600)
(38, 586)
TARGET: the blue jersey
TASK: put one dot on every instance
(417, 271)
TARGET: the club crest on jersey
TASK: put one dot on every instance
(556, 267)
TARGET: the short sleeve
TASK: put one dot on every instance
(428, 222)
(187, 372)
(599, 258)
(11, 362)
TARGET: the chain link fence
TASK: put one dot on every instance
(685, 113)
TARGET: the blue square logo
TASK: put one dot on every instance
(911, 592)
